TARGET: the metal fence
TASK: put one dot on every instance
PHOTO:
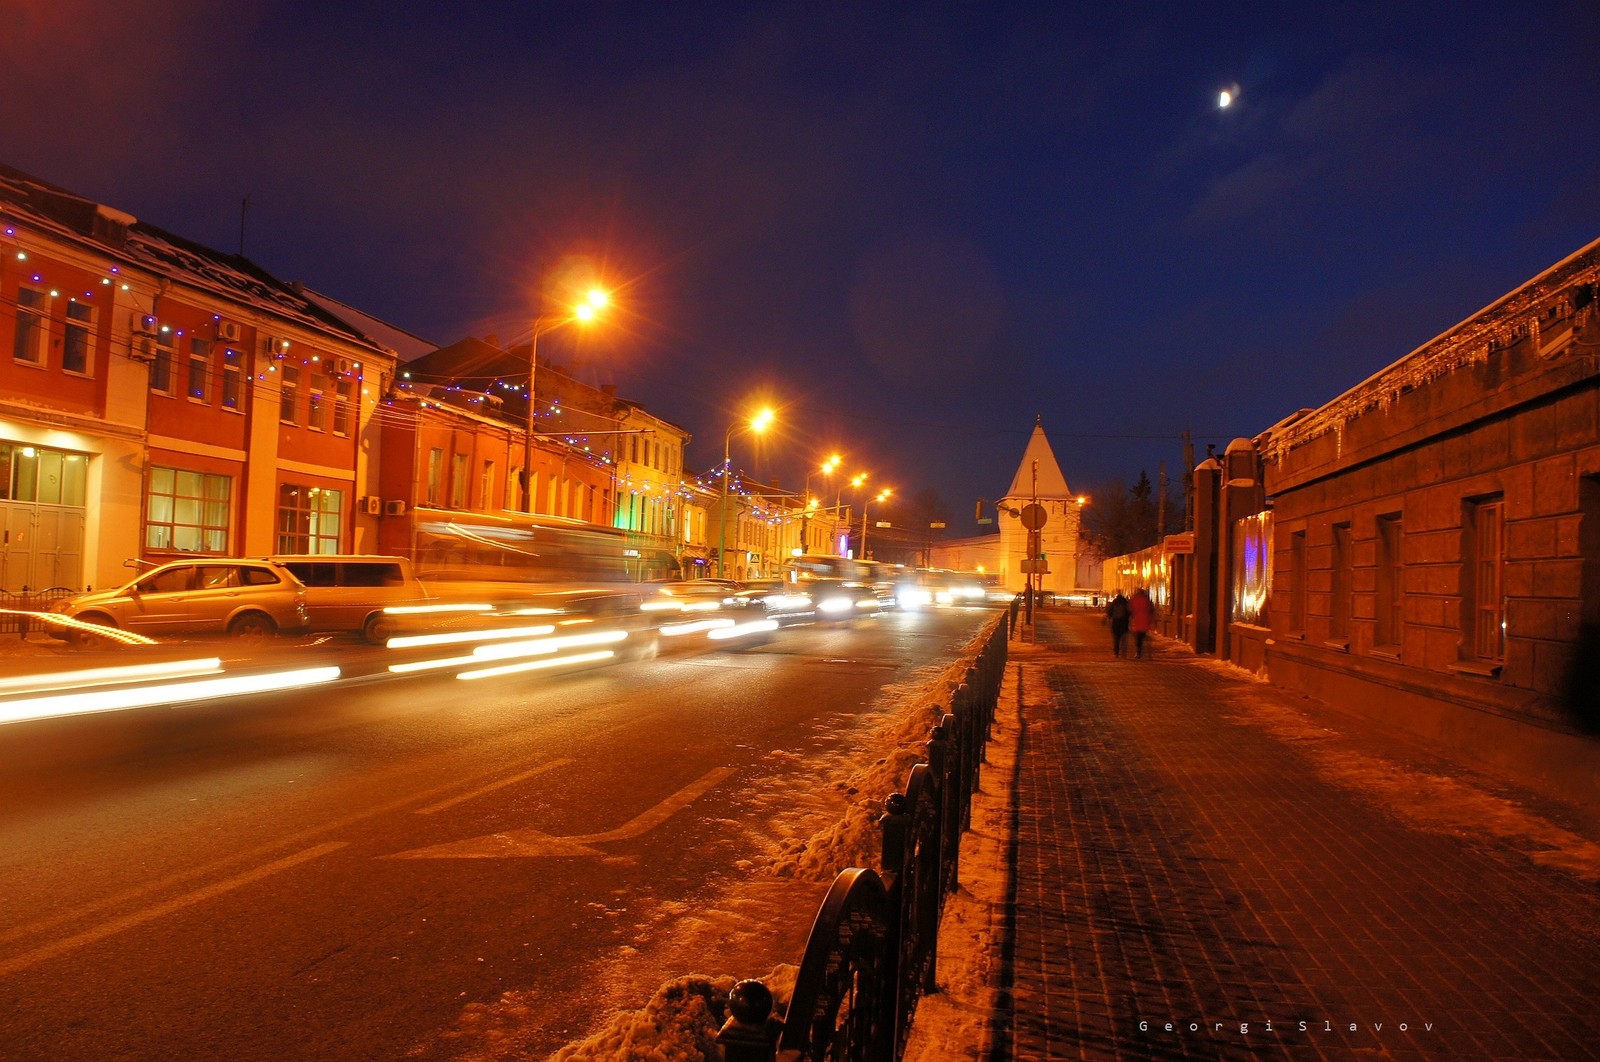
(15, 608)
(873, 950)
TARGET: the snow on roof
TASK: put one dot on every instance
(397, 339)
(1471, 341)
(72, 218)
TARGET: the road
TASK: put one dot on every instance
(342, 873)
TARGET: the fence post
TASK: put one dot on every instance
(751, 1033)
(893, 824)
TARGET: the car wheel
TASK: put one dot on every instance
(645, 646)
(377, 630)
(82, 639)
(252, 627)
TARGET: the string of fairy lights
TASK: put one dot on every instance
(205, 357)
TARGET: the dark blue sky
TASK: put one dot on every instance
(915, 226)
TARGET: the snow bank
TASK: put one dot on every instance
(831, 819)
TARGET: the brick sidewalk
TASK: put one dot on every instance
(1197, 848)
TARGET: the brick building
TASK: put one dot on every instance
(1425, 548)
(160, 399)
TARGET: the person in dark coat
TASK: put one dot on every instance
(1118, 613)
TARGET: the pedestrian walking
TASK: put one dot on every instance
(1141, 617)
(1117, 614)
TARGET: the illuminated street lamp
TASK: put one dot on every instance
(758, 424)
(881, 495)
(828, 468)
(596, 300)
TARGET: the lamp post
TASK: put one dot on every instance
(882, 494)
(584, 312)
(757, 424)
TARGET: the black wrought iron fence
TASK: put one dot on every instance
(873, 949)
(16, 608)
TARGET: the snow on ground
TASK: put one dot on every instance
(818, 815)
(1424, 798)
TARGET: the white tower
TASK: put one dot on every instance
(1039, 482)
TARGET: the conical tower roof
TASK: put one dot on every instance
(1050, 483)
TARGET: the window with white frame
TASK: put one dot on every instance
(187, 511)
(232, 379)
(435, 475)
(459, 484)
(309, 518)
(289, 393)
(341, 406)
(163, 376)
(77, 346)
(199, 386)
(317, 407)
(33, 326)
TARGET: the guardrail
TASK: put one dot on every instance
(15, 606)
(873, 950)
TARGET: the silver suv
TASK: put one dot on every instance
(249, 599)
(350, 592)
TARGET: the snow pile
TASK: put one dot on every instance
(679, 1024)
(830, 809)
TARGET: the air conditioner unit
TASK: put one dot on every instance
(228, 330)
(343, 366)
(144, 324)
(372, 505)
(394, 508)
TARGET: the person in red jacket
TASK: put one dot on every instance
(1141, 617)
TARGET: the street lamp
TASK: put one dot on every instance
(882, 494)
(827, 469)
(596, 300)
(758, 424)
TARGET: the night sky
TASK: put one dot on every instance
(913, 227)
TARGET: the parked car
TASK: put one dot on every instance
(349, 592)
(249, 599)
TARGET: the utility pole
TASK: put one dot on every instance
(1188, 480)
(1161, 505)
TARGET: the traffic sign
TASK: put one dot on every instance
(1034, 516)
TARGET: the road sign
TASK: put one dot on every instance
(1036, 567)
(1034, 516)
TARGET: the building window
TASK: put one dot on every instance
(187, 511)
(33, 325)
(1339, 597)
(289, 394)
(198, 389)
(459, 485)
(1483, 601)
(78, 339)
(341, 407)
(435, 475)
(486, 486)
(309, 519)
(1300, 579)
(232, 378)
(1391, 586)
(162, 373)
(39, 474)
(316, 408)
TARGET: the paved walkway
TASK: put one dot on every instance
(1208, 867)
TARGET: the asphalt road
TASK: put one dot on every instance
(341, 873)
